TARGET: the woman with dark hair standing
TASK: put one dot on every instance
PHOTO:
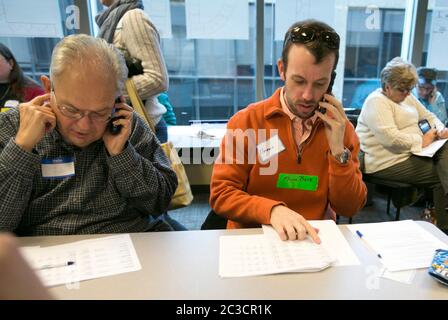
(14, 85)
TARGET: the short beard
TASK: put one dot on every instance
(294, 112)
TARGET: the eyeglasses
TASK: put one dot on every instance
(307, 34)
(405, 90)
(426, 88)
(74, 113)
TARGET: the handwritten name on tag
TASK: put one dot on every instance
(270, 148)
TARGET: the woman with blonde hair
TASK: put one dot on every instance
(391, 133)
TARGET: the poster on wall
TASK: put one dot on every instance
(159, 13)
(217, 19)
(438, 39)
(24, 18)
(289, 11)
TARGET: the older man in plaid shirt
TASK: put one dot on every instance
(62, 170)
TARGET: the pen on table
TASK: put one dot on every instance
(361, 236)
(57, 265)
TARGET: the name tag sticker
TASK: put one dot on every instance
(9, 105)
(58, 168)
(297, 181)
(270, 148)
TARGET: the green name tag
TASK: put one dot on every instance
(297, 181)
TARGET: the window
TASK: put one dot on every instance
(367, 52)
(34, 53)
(435, 40)
(214, 78)
(209, 78)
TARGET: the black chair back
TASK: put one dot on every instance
(214, 221)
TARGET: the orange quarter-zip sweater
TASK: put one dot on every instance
(245, 182)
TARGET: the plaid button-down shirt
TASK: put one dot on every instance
(106, 194)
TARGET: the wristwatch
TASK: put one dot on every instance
(344, 156)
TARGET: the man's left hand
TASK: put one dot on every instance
(334, 120)
(115, 143)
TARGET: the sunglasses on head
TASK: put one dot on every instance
(307, 34)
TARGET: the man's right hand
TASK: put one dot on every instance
(36, 118)
(290, 225)
(429, 137)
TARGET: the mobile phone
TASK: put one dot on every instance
(431, 95)
(329, 89)
(439, 266)
(113, 129)
(424, 126)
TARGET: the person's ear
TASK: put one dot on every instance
(11, 63)
(46, 83)
(281, 69)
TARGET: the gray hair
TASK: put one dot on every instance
(398, 74)
(79, 49)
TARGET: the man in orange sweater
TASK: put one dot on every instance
(294, 156)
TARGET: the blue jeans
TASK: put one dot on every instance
(164, 223)
(162, 131)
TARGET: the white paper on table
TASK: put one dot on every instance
(332, 240)
(405, 276)
(250, 255)
(430, 150)
(208, 130)
(93, 258)
(403, 245)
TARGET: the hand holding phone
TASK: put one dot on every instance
(432, 96)
(322, 109)
(424, 126)
(113, 129)
(117, 135)
(329, 91)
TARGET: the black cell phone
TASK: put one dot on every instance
(111, 127)
(329, 89)
(424, 125)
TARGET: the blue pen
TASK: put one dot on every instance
(361, 236)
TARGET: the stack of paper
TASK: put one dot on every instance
(83, 260)
(402, 245)
(431, 150)
(249, 255)
(261, 254)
